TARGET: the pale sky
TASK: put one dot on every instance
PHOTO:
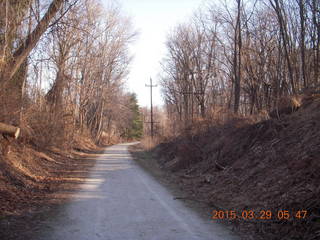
(153, 19)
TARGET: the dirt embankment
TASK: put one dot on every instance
(271, 166)
(31, 177)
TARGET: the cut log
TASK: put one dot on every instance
(9, 130)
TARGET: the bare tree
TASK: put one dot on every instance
(243, 57)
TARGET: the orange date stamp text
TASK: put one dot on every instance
(258, 215)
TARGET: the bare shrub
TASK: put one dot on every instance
(286, 105)
(44, 128)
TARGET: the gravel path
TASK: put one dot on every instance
(120, 201)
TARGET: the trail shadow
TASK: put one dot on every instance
(77, 181)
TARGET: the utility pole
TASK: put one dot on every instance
(151, 107)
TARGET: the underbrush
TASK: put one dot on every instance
(44, 127)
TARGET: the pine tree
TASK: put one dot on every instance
(136, 129)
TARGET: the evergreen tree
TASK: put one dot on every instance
(136, 129)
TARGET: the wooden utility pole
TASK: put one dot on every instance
(151, 107)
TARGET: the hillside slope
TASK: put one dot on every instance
(271, 165)
(31, 176)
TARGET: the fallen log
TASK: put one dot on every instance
(9, 130)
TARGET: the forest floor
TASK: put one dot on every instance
(267, 172)
(33, 180)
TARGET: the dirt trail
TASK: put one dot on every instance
(120, 200)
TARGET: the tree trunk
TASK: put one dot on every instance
(316, 40)
(285, 39)
(302, 42)
(237, 60)
(32, 39)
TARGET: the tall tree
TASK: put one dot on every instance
(237, 58)
(11, 64)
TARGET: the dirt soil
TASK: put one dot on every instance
(34, 180)
(271, 165)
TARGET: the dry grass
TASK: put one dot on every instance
(29, 177)
(149, 143)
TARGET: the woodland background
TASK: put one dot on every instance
(244, 58)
